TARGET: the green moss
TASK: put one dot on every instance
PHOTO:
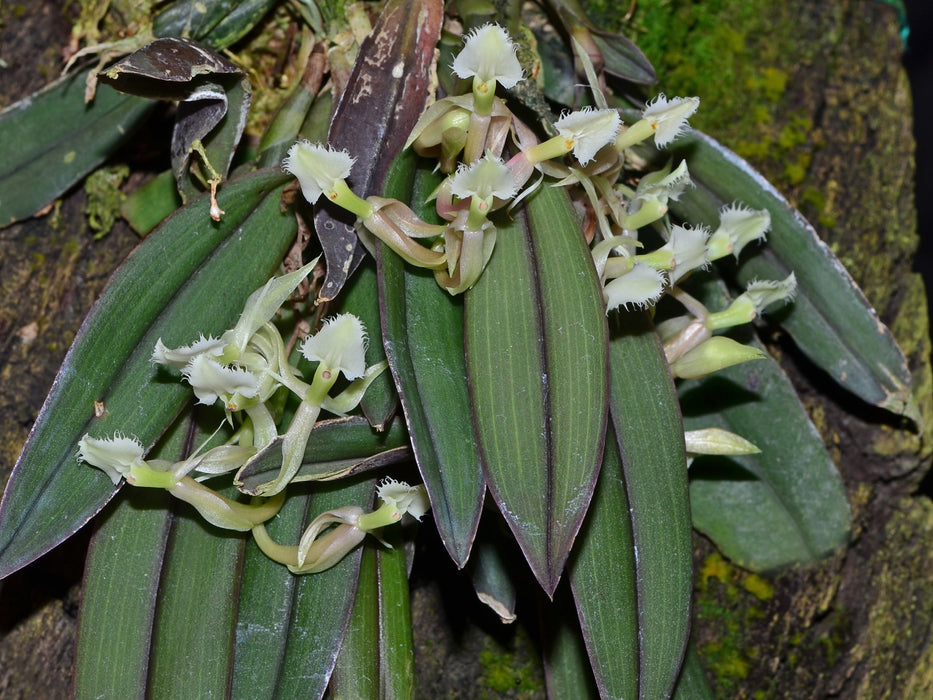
(504, 674)
(104, 198)
(730, 55)
(728, 601)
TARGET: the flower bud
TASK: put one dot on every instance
(712, 355)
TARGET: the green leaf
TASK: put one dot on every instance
(52, 139)
(119, 594)
(376, 659)
(422, 329)
(361, 297)
(356, 674)
(396, 639)
(692, 684)
(147, 207)
(192, 638)
(786, 504)
(649, 431)
(536, 339)
(604, 562)
(490, 571)
(178, 281)
(566, 666)
(218, 23)
(830, 320)
(289, 628)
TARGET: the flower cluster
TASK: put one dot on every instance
(244, 369)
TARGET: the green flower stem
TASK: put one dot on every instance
(344, 197)
(293, 447)
(555, 147)
(221, 511)
(484, 94)
(479, 210)
(740, 311)
(386, 514)
(659, 259)
(144, 476)
(651, 210)
(475, 144)
(283, 554)
(635, 134)
(321, 384)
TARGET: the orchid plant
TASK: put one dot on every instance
(540, 283)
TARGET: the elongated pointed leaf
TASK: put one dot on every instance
(192, 639)
(120, 589)
(491, 572)
(566, 666)
(422, 329)
(384, 97)
(786, 504)
(289, 628)
(831, 321)
(356, 674)
(396, 640)
(361, 297)
(536, 339)
(604, 561)
(644, 411)
(52, 139)
(177, 282)
(377, 655)
(218, 23)
(692, 684)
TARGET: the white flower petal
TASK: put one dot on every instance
(179, 357)
(407, 499)
(113, 455)
(669, 117)
(640, 287)
(488, 176)
(340, 345)
(663, 185)
(763, 293)
(210, 380)
(489, 54)
(689, 248)
(317, 167)
(589, 130)
(739, 226)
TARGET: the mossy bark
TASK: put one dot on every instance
(836, 138)
(820, 102)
